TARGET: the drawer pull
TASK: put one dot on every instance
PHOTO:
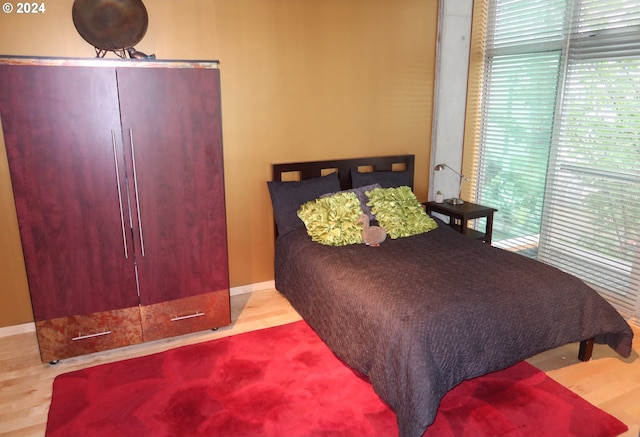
(82, 337)
(188, 316)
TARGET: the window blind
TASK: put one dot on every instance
(557, 146)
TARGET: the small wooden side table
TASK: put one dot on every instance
(460, 215)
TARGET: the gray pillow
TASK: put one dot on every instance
(386, 179)
(288, 197)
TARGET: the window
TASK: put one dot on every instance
(553, 135)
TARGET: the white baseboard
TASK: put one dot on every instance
(17, 329)
(31, 327)
(259, 286)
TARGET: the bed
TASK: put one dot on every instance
(421, 313)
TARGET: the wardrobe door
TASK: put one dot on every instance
(62, 133)
(172, 122)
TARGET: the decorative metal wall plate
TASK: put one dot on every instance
(110, 25)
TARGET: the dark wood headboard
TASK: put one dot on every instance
(314, 169)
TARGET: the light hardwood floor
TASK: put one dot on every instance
(607, 381)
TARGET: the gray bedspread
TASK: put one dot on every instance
(419, 315)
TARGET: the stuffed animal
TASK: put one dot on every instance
(371, 235)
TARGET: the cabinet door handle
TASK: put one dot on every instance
(115, 160)
(188, 316)
(82, 337)
(135, 185)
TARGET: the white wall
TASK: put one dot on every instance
(450, 96)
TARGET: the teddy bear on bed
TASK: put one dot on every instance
(371, 235)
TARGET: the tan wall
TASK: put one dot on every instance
(301, 80)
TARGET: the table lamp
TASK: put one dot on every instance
(454, 200)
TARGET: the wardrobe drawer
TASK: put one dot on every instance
(182, 316)
(78, 335)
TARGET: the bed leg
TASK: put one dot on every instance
(586, 349)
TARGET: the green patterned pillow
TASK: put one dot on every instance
(333, 220)
(399, 212)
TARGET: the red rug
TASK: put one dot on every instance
(284, 381)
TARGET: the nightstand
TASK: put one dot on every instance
(460, 215)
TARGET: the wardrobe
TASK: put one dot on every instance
(118, 178)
